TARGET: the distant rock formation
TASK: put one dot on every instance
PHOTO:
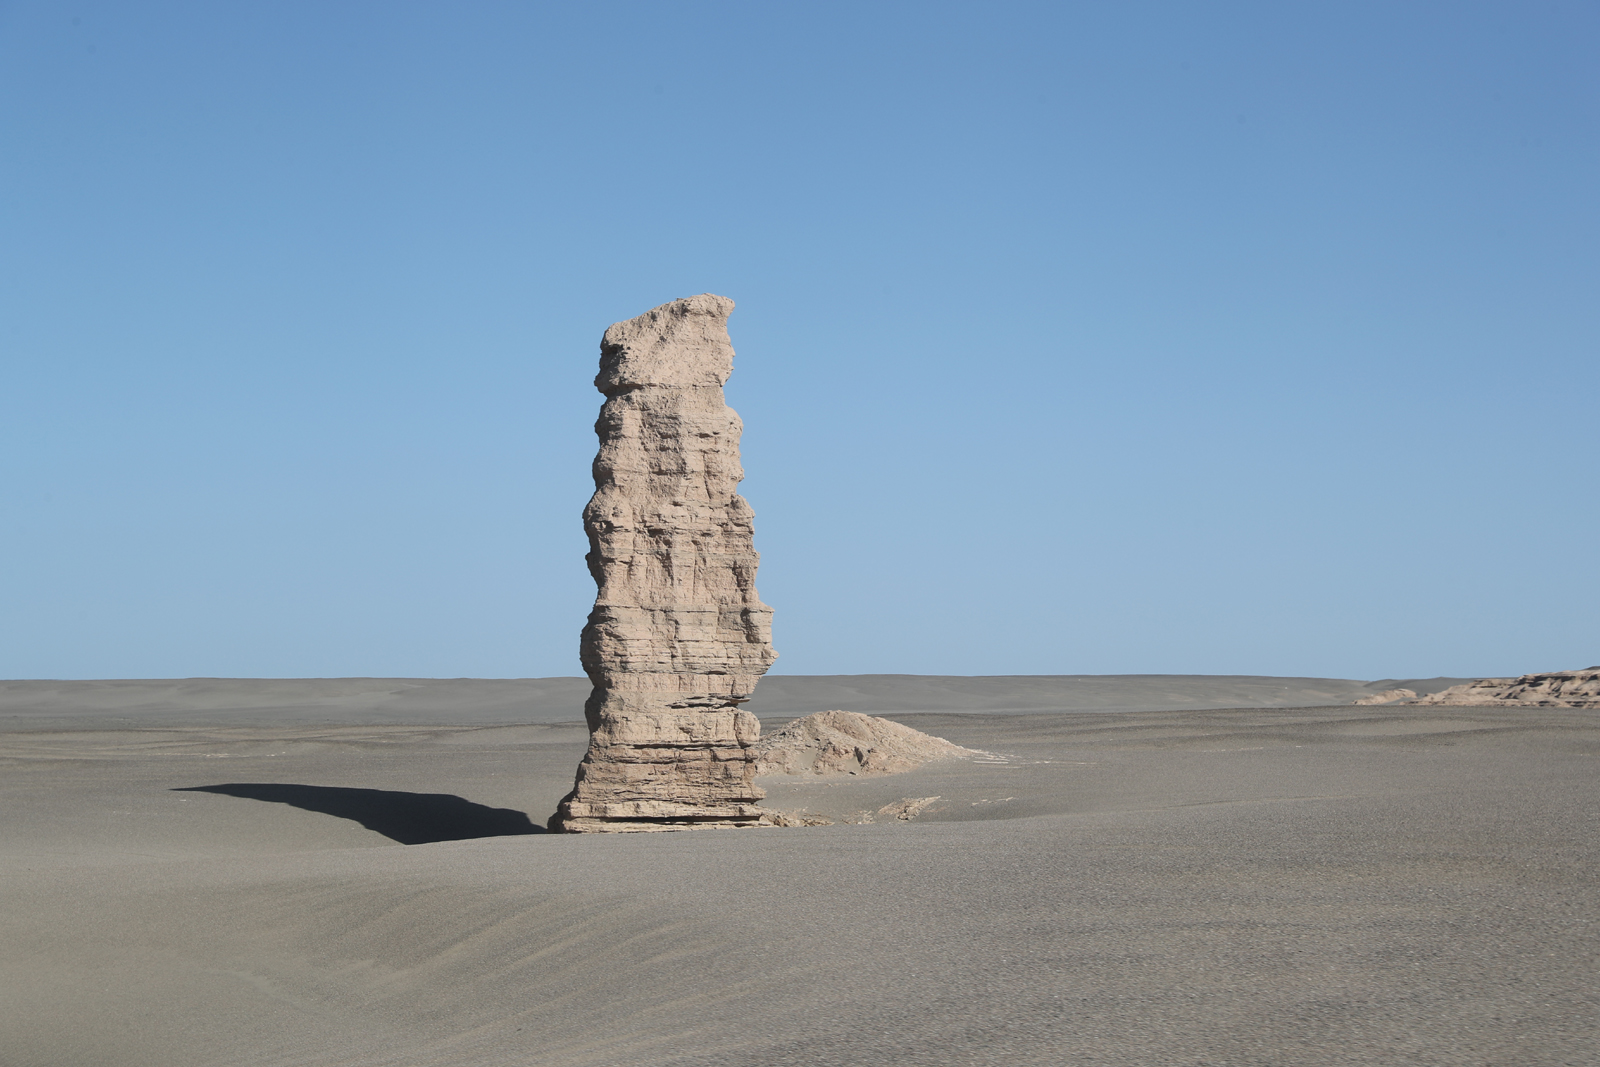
(678, 637)
(1388, 696)
(848, 742)
(1557, 689)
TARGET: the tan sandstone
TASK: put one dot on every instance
(848, 742)
(1388, 696)
(678, 637)
(1556, 689)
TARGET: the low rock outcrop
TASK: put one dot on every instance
(678, 637)
(1388, 696)
(1556, 689)
(848, 742)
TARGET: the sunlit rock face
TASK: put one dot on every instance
(1554, 689)
(678, 637)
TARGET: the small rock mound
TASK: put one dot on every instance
(848, 742)
(1388, 696)
(907, 809)
(1556, 689)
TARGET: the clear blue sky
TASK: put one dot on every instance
(1073, 338)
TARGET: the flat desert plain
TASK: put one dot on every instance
(1139, 870)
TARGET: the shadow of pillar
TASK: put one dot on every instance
(409, 818)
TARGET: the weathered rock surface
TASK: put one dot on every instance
(848, 742)
(907, 809)
(1388, 696)
(678, 637)
(1557, 689)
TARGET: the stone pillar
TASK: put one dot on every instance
(678, 637)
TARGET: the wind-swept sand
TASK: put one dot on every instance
(188, 884)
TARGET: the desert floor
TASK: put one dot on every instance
(354, 871)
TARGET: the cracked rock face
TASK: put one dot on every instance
(1556, 689)
(678, 637)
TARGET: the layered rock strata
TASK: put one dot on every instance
(1556, 689)
(678, 637)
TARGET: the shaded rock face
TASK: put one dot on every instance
(1557, 689)
(848, 742)
(678, 637)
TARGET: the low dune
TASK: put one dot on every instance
(354, 872)
(848, 742)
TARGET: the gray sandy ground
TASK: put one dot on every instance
(1329, 885)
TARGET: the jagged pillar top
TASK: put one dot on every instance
(684, 343)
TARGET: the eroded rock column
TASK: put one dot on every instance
(678, 637)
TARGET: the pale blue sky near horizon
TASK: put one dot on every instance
(1241, 338)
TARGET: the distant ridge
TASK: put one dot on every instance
(41, 704)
